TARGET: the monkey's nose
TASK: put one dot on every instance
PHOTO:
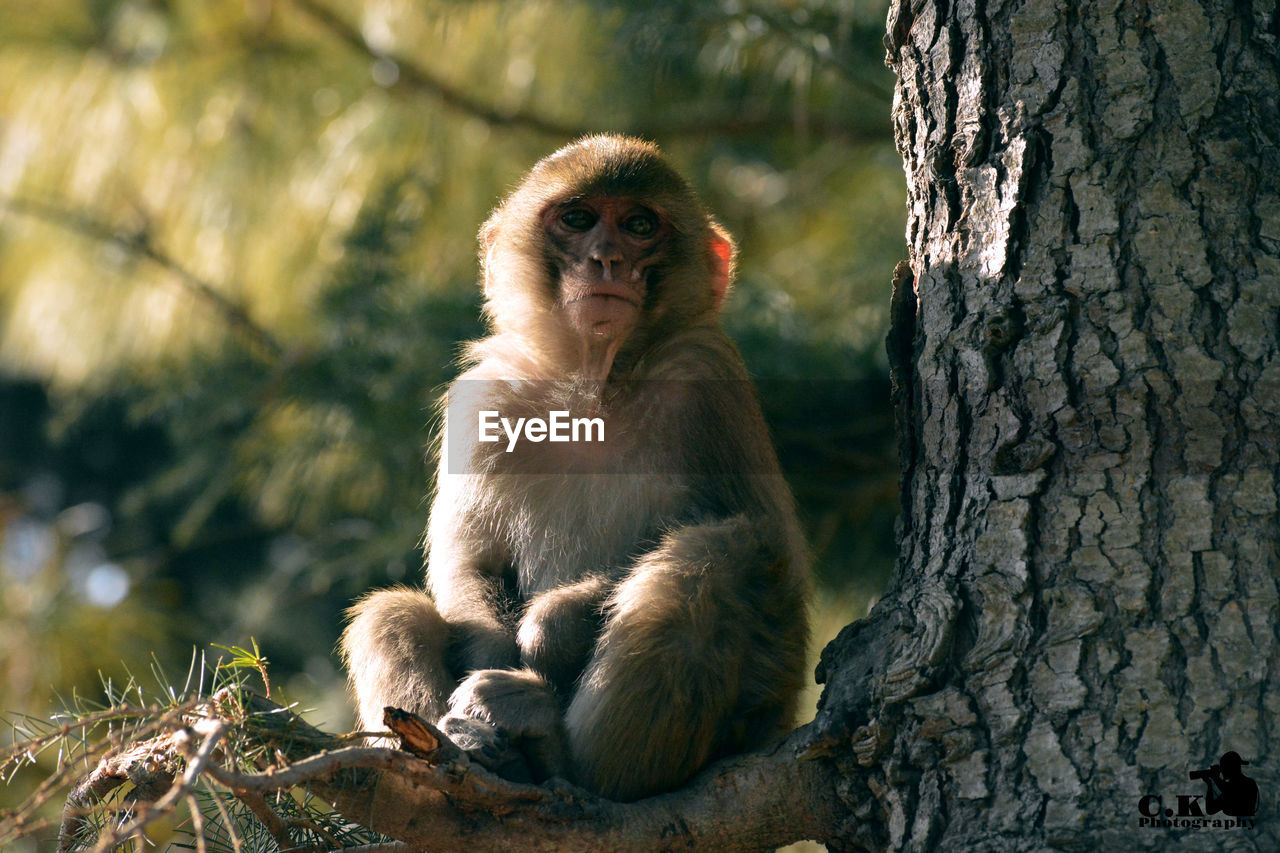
(611, 264)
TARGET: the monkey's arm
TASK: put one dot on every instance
(465, 566)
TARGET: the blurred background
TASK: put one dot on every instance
(238, 255)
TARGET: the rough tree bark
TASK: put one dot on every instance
(1085, 605)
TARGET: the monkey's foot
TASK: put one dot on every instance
(488, 745)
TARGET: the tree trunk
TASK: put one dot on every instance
(1085, 605)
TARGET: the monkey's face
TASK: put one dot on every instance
(601, 251)
(606, 251)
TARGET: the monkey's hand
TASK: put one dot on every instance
(480, 643)
(502, 713)
(560, 628)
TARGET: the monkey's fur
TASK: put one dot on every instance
(618, 616)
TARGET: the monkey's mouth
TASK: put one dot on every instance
(604, 309)
(610, 292)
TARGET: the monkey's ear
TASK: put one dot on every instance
(488, 234)
(488, 241)
(722, 258)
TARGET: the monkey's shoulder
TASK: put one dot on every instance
(699, 353)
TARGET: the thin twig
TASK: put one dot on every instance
(457, 777)
(337, 847)
(39, 742)
(139, 243)
(263, 812)
(237, 843)
(325, 765)
(312, 826)
(197, 823)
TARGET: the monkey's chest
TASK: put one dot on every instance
(559, 528)
(576, 485)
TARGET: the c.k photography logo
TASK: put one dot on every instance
(1230, 800)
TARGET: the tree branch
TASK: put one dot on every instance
(262, 810)
(139, 243)
(415, 78)
(754, 802)
(20, 819)
(448, 803)
(127, 767)
(144, 764)
(877, 88)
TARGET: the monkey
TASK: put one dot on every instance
(617, 614)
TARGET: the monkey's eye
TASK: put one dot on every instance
(578, 219)
(641, 224)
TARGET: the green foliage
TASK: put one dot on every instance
(246, 659)
(100, 756)
(237, 259)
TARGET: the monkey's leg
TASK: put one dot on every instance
(700, 655)
(394, 648)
